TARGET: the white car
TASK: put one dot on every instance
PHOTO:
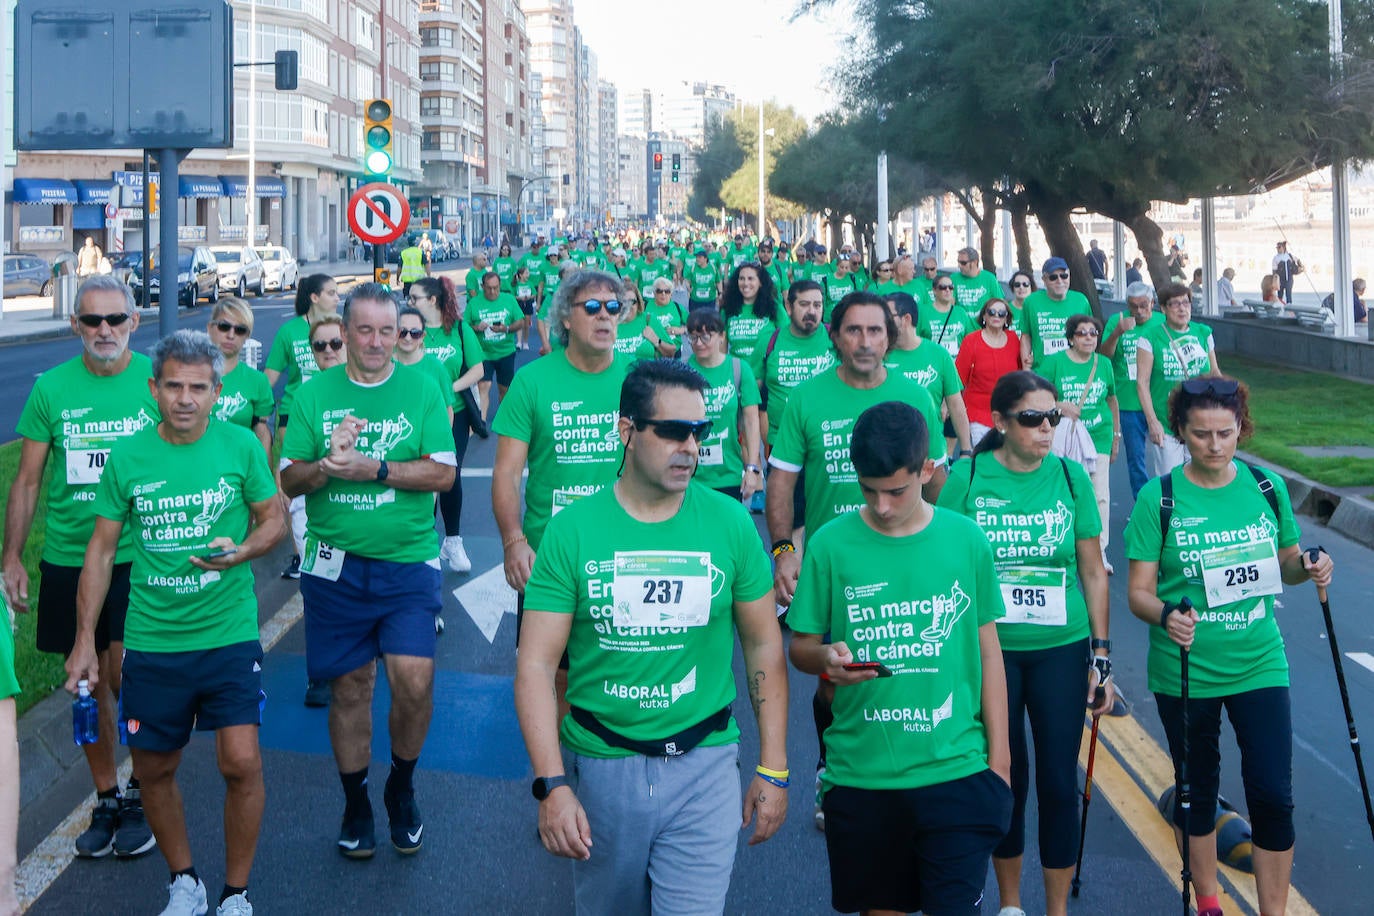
(240, 269)
(280, 269)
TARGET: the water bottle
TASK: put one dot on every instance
(85, 715)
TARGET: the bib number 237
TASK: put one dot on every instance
(662, 589)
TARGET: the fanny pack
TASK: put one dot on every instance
(672, 746)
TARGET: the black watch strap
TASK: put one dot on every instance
(1102, 644)
(543, 785)
(383, 470)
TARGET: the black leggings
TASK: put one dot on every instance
(451, 500)
(1051, 686)
(1262, 720)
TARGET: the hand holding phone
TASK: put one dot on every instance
(220, 554)
(883, 670)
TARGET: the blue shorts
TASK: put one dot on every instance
(166, 694)
(376, 608)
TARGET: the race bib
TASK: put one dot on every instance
(321, 560)
(1190, 352)
(1056, 345)
(1034, 594)
(84, 466)
(711, 454)
(1238, 572)
(670, 588)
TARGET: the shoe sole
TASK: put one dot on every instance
(407, 850)
(98, 854)
(147, 847)
(357, 853)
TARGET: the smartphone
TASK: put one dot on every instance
(883, 670)
(220, 554)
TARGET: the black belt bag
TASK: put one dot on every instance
(673, 746)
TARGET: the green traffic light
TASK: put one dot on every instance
(377, 162)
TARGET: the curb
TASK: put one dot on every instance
(1339, 509)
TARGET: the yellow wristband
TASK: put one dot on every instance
(776, 774)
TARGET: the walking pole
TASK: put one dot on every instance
(1345, 696)
(1185, 798)
(1087, 800)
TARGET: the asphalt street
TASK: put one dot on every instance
(481, 853)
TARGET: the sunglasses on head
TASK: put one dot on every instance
(1217, 387)
(594, 306)
(226, 326)
(412, 333)
(1031, 419)
(333, 343)
(94, 321)
(1058, 275)
(677, 430)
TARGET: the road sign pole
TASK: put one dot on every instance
(147, 234)
(169, 294)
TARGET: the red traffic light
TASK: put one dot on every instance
(658, 161)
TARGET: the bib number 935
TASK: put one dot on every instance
(1028, 597)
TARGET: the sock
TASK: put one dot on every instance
(186, 871)
(108, 793)
(402, 771)
(355, 789)
(1205, 903)
(230, 891)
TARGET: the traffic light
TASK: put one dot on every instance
(677, 167)
(658, 162)
(377, 138)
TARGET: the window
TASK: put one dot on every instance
(436, 106)
(436, 38)
(445, 71)
(442, 140)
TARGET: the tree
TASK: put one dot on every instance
(720, 157)
(1108, 105)
(741, 190)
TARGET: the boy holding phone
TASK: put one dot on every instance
(917, 765)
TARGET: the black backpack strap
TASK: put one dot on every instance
(1063, 463)
(1266, 486)
(1166, 507)
(972, 472)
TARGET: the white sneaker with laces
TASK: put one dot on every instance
(457, 557)
(236, 905)
(186, 897)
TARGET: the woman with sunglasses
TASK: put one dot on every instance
(732, 406)
(1087, 393)
(667, 321)
(505, 267)
(631, 340)
(410, 351)
(1021, 284)
(1172, 350)
(1234, 651)
(945, 322)
(748, 304)
(246, 396)
(984, 357)
(1040, 516)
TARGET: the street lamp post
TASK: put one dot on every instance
(520, 202)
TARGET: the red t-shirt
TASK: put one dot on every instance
(980, 366)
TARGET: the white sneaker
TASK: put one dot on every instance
(236, 905)
(1011, 911)
(186, 897)
(455, 554)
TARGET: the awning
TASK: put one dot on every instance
(44, 191)
(263, 186)
(198, 186)
(93, 190)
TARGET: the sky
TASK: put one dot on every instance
(643, 44)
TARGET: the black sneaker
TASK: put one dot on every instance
(133, 836)
(358, 834)
(98, 840)
(317, 694)
(407, 830)
(293, 569)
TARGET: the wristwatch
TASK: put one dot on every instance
(383, 470)
(543, 785)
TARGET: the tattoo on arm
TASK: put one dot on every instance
(756, 690)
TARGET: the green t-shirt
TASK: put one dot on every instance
(948, 329)
(80, 416)
(1046, 321)
(246, 397)
(501, 310)
(778, 272)
(458, 350)
(923, 725)
(742, 332)
(720, 463)
(9, 684)
(1123, 360)
(436, 372)
(568, 419)
(733, 257)
(1178, 355)
(649, 682)
(406, 421)
(916, 288)
(505, 269)
(972, 292)
(836, 288)
(793, 360)
(1071, 379)
(929, 366)
(815, 432)
(663, 317)
(176, 499)
(629, 339)
(647, 273)
(549, 276)
(1237, 645)
(1034, 524)
(472, 282)
(701, 282)
(291, 356)
(523, 290)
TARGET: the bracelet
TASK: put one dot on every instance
(514, 539)
(1101, 644)
(776, 774)
(780, 783)
(782, 547)
(753, 467)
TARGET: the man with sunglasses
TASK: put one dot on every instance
(900, 277)
(645, 585)
(497, 317)
(1047, 312)
(1119, 342)
(972, 285)
(667, 319)
(369, 447)
(775, 269)
(76, 413)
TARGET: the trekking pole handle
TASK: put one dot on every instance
(1312, 554)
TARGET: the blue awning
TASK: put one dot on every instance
(263, 186)
(44, 191)
(198, 186)
(94, 190)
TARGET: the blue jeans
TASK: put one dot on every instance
(1133, 435)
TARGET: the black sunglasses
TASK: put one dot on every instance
(412, 333)
(1020, 283)
(334, 343)
(226, 326)
(594, 306)
(930, 270)
(1058, 275)
(677, 430)
(1217, 387)
(94, 321)
(944, 286)
(1031, 419)
(996, 313)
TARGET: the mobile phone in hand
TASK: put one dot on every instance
(883, 670)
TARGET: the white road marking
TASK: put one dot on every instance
(486, 472)
(1361, 658)
(487, 599)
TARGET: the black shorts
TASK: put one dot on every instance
(527, 306)
(921, 849)
(166, 694)
(282, 420)
(949, 429)
(503, 370)
(56, 628)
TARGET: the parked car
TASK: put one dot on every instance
(280, 269)
(240, 269)
(196, 277)
(27, 275)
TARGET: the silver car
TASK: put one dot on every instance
(240, 269)
(281, 270)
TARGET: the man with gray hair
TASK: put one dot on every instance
(76, 412)
(1119, 341)
(199, 502)
(972, 285)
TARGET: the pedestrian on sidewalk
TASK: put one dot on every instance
(88, 258)
(1285, 267)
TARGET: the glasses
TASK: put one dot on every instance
(964, 263)
(94, 321)
(333, 343)
(226, 326)
(930, 270)
(1086, 332)
(943, 287)
(677, 430)
(1031, 419)
(1179, 302)
(1020, 284)
(1217, 387)
(1058, 275)
(663, 292)
(883, 270)
(701, 337)
(412, 333)
(594, 306)
(996, 313)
